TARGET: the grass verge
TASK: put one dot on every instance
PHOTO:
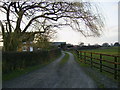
(18, 73)
(64, 60)
(78, 60)
(93, 75)
(83, 65)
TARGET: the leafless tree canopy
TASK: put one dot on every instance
(21, 17)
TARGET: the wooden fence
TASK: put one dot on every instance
(104, 62)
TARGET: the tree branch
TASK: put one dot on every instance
(8, 14)
(2, 27)
(42, 16)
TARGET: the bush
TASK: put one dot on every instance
(20, 60)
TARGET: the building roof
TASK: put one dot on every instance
(58, 43)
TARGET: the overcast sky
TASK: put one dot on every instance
(109, 9)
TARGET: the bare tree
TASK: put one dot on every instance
(42, 40)
(21, 17)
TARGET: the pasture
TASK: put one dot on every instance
(109, 50)
(104, 59)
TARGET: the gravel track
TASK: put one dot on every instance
(54, 76)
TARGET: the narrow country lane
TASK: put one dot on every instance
(53, 76)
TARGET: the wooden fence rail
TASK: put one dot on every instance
(104, 62)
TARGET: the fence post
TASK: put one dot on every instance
(91, 59)
(85, 57)
(115, 68)
(100, 62)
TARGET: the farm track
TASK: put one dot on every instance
(71, 75)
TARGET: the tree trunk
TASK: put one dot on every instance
(11, 42)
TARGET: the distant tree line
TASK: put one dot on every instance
(108, 45)
(81, 46)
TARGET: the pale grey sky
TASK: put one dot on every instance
(109, 9)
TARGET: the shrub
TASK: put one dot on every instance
(20, 60)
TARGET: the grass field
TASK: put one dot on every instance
(108, 51)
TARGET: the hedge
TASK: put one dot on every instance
(20, 60)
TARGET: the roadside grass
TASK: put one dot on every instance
(97, 80)
(64, 60)
(78, 60)
(17, 73)
(93, 76)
